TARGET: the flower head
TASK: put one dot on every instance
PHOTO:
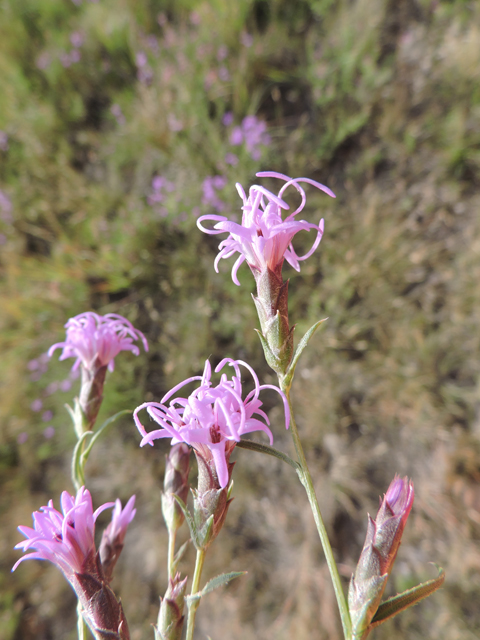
(95, 340)
(66, 539)
(264, 239)
(212, 419)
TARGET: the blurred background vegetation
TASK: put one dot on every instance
(121, 121)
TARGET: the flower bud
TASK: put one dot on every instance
(175, 483)
(383, 538)
(170, 617)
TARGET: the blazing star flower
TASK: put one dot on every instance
(66, 539)
(264, 239)
(96, 340)
(211, 419)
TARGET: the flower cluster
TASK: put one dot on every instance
(66, 539)
(212, 419)
(264, 238)
(96, 340)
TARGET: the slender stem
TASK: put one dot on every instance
(192, 609)
(307, 482)
(172, 535)
(82, 627)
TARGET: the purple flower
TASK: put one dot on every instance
(36, 405)
(96, 340)
(210, 186)
(114, 535)
(49, 432)
(227, 119)
(211, 419)
(66, 539)
(3, 141)
(264, 239)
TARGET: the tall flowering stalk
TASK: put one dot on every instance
(211, 420)
(67, 539)
(264, 241)
(95, 341)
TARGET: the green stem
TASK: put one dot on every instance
(172, 535)
(307, 482)
(192, 610)
(82, 627)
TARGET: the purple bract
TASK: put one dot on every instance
(66, 539)
(264, 239)
(211, 419)
(95, 340)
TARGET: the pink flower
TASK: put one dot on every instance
(96, 340)
(211, 419)
(66, 539)
(114, 535)
(264, 239)
(121, 518)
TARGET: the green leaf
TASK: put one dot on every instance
(179, 555)
(287, 380)
(194, 533)
(272, 360)
(205, 533)
(402, 601)
(215, 583)
(100, 432)
(271, 451)
(78, 476)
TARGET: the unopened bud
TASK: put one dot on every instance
(170, 617)
(175, 483)
(384, 535)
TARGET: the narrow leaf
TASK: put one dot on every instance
(271, 451)
(214, 583)
(100, 431)
(78, 477)
(205, 533)
(220, 581)
(190, 521)
(272, 360)
(402, 601)
(179, 555)
(287, 381)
